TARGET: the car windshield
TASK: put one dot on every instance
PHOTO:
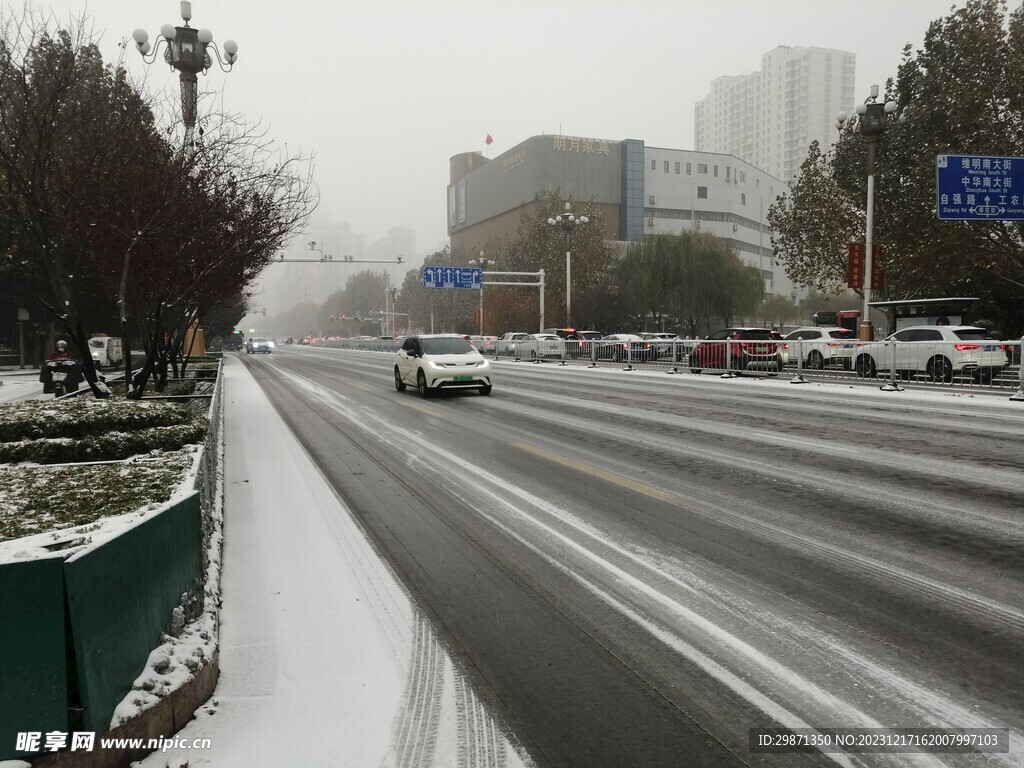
(759, 333)
(840, 333)
(446, 347)
(98, 343)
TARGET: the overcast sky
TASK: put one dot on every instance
(383, 92)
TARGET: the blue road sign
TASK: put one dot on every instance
(452, 277)
(979, 188)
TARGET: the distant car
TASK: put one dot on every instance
(506, 344)
(537, 346)
(581, 343)
(940, 352)
(740, 349)
(435, 362)
(820, 346)
(624, 347)
(257, 345)
(666, 345)
(484, 344)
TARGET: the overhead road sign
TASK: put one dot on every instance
(979, 188)
(453, 277)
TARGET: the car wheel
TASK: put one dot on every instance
(696, 370)
(815, 360)
(940, 369)
(485, 389)
(421, 385)
(399, 384)
(865, 367)
(983, 377)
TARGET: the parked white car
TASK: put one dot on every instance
(821, 346)
(506, 344)
(941, 352)
(539, 345)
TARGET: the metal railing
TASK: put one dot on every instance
(991, 365)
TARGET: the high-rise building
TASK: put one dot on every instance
(769, 118)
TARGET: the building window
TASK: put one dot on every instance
(757, 183)
(702, 167)
(743, 198)
(716, 171)
(654, 165)
(666, 166)
(689, 167)
(702, 193)
(728, 173)
(677, 169)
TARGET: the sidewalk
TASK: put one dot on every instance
(320, 648)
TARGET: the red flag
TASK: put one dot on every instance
(488, 141)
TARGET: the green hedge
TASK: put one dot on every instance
(112, 445)
(85, 429)
(84, 416)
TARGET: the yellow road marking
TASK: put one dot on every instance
(611, 477)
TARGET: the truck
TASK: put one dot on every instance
(106, 351)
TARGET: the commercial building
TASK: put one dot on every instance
(769, 118)
(639, 190)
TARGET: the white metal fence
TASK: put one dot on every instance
(994, 365)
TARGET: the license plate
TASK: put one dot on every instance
(59, 375)
(989, 348)
(463, 377)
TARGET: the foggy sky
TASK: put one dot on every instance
(383, 92)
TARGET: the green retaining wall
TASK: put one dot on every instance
(120, 598)
(33, 653)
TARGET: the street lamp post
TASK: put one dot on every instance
(872, 120)
(188, 51)
(568, 221)
(483, 263)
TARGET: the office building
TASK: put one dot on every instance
(639, 190)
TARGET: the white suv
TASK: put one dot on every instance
(941, 352)
(820, 346)
(432, 362)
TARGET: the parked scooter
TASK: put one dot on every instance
(63, 374)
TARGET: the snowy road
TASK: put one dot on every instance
(636, 569)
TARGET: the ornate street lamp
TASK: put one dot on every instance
(483, 263)
(188, 51)
(872, 120)
(568, 221)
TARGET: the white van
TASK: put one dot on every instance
(106, 351)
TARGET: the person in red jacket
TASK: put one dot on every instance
(74, 374)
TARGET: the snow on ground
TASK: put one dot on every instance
(20, 385)
(323, 658)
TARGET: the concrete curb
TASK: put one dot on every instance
(164, 719)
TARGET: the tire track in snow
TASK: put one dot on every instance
(480, 744)
(418, 721)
